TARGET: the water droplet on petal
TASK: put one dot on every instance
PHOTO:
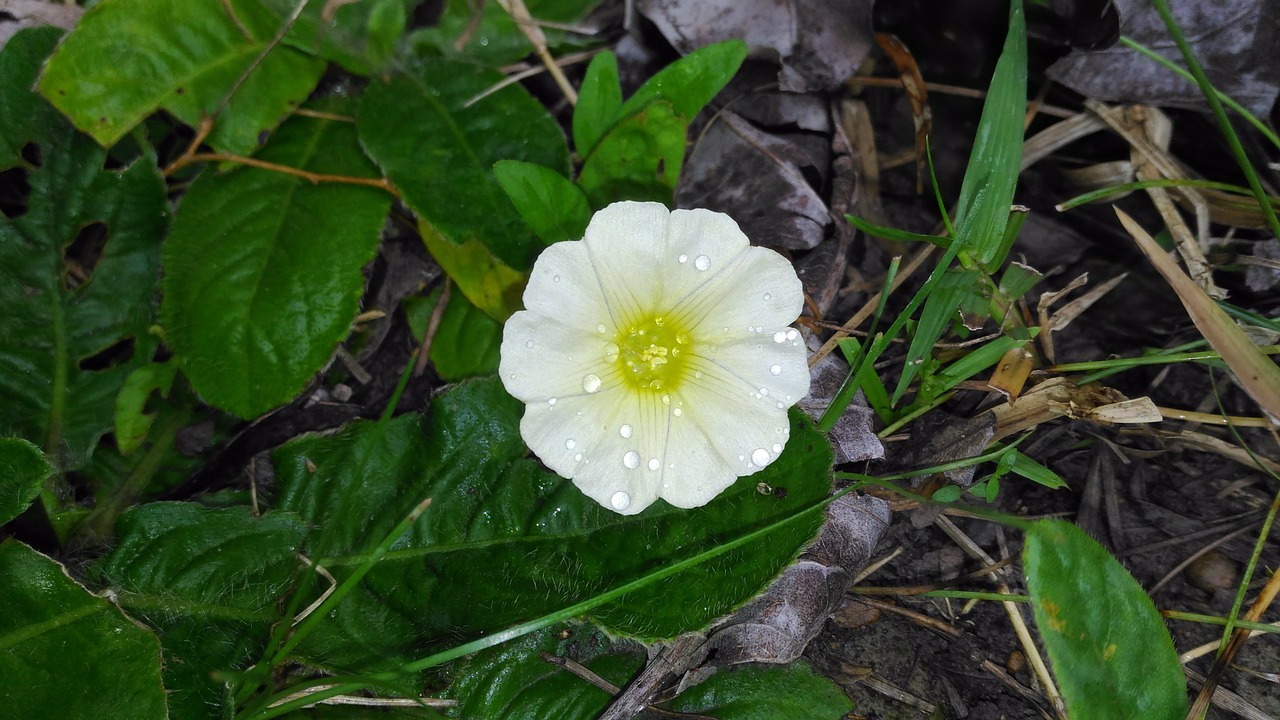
(591, 383)
(528, 344)
(555, 279)
(780, 336)
(631, 459)
(577, 458)
(764, 391)
(620, 501)
(677, 412)
(625, 431)
(551, 401)
(601, 328)
(767, 297)
(683, 258)
(570, 443)
(654, 463)
(702, 262)
(792, 334)
(781, 406)
(666, 399)
(775, 369)
(760, 457)
(777, 447)
(611, 351)
(697, 374)
(759, 328)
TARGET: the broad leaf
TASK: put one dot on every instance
(65, 653)
(440, 153)
(505, 541)
(208, 580)
(79, 265)
(466, 342)
(599, 103)
(263, 269)
(1110, 650)
(360, 36)
(639, 159)
(762, 692)
(23, 470)
(554, 207)
(128, 58)
(484, 33)
(689, 83)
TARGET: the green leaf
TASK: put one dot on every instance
(513, 682)
(1032, 470)
(982, 212)
(360, 36)
(939, 312)
(209, 580)
(65, 653)
(23, 470)
(485, 281)
(485, 34)
(127, 59)
(466, 342)
(263, 270)
(599, 103)
(764, 692)
(132, 421)
(1111, 652)
(506, 541)
(71, 339)
(440, 154)
(554, 207)
(1018, 279)
(689, 83)
(639, 159)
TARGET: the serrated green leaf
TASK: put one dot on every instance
(263, 270)
(513, 682)
(466, 342)
(639, 159)
(58, 384)
(599, 103)
(127, 59)
(554, 207)
(65, 653)
(689, 83)
(761, 692)
(208, 580)
(132, 421)
(505, 541)
(23, 470)
(982, 212)
(484, 33)
(440, 154)
(1111, 652)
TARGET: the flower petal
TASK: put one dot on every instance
(564, 286)
(775, 366)
(701, 244)
(759, 291)
(626, 242)
(694, 473)
(542, 358)
(747, 428)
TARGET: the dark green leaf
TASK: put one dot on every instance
(1110, 650)
(506, 541)
(599, 103)
(1032, 470)
(639, 159)
(125, 60)
(70, 339)
(484, 33)
(65, 653)
(23, 470)
(762, 692)
(360, 36)
(689, 83)
(440, 154)
(263, 269)
(133, 422)
(466, 343)
(554, 207)
(209, 580)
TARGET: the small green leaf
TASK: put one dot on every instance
(599, 103)
(127, 59)
(639, 159)
(263, 270)
(554, 207)
(1018, 279)
(440, 153)
(764, 692)
(947, 493)
(133, 422)
(1032, 470)
(939, 312)
(488, 283)
(71, 339)
(1111, 652)
(23, 470)
(689, 83)
(467, 341)
(65, 653)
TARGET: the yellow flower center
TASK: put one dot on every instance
(654, 354)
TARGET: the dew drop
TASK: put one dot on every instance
(528, 344)
(551, 401)
(775, 369)
(759, 328)
(767, 297)
(792, 334)
(780, 336)
(742, 457)
(677, 412)
(666, 399)
(577, 458)
(611, 351)
(555, 279)
(654, 463)
(777, 448)
(697, 374)
(702, 262)
(620, 501)
(591, 383)
(683, 258)
(781, 406)
(601, 328)
(570, 443)
(631, 460)
(760, 457)
(764, 391)
(625, 431)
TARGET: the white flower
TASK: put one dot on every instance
(655, 357)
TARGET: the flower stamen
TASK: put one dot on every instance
(653, 354)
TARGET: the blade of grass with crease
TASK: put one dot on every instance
(1257, 373)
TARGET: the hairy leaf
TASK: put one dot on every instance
(23, 470)
(761, 692)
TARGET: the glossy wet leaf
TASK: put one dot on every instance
(440, 154)
(689, 83)
(484, 33)
(79, 265)
(766, 692)
(467, 340)
(129, 58)
(505, 541)
(23, 470)
(555, 208)
(639, 159)
(209, 581)
(263, 270)
(1111, 652)
(65, 653)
